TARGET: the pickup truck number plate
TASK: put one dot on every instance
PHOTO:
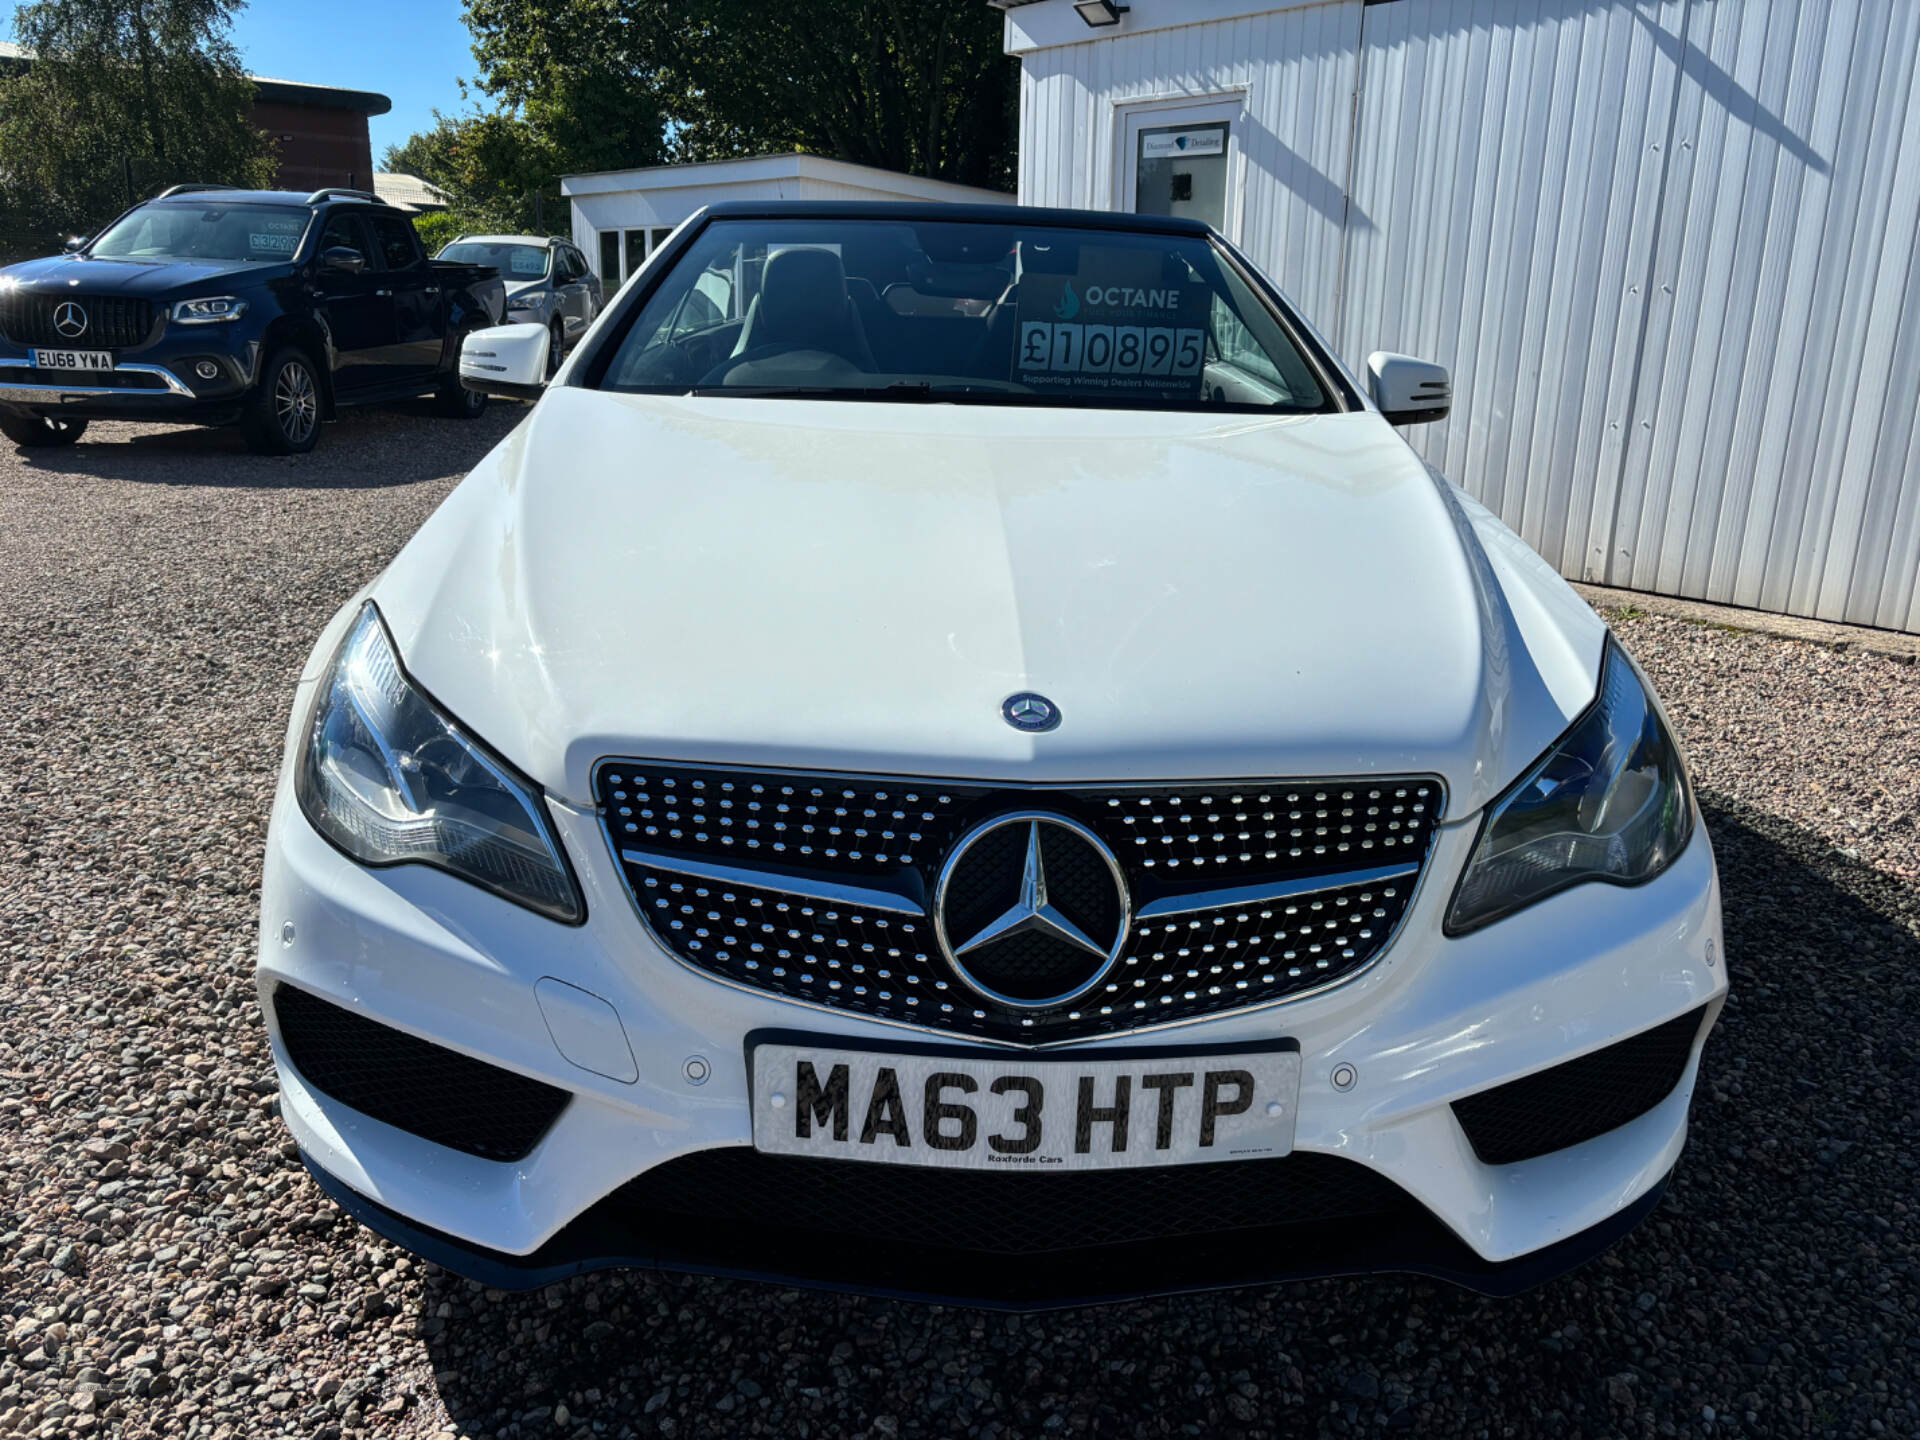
(998, 1110)
(72, 359)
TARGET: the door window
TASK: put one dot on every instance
(636, 250)
(394, 234)
(708, 303)
(610, 256)
(1182, 170)
(344, 229)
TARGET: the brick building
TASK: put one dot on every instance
(318, 131)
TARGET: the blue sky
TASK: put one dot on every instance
(414, 51)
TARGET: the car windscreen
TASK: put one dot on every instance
(514, 262)
(973, 311)
(206, 230)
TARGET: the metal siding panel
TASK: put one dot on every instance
(1666, 247)
(1506, 175)
(1771, 432)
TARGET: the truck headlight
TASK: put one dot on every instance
(209, 311)
(392, 779)
(1609, 801)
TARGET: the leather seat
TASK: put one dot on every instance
(803, 304)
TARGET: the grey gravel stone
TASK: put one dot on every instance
(158, 591)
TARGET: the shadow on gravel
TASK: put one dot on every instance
(1773, 1291)
(357, 451)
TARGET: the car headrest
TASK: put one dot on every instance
(803, 300)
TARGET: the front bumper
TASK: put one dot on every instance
(1434, 1021)
(160, 384)
(605, 1241)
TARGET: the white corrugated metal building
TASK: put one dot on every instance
(1667, 247)
(620, 215)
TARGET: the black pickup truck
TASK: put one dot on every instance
(262, 308)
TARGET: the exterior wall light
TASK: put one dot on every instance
(1100, 13)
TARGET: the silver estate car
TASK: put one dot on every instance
(548, 283)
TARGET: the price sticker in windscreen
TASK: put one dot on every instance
(1076, 336)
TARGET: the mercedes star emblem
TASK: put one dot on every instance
(69, 319)
(1031, 909)
(1030, 712)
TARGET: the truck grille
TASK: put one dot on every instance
(822, 889)
(114, 322)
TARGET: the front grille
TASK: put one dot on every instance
(114, 322)
(411, 1084)
(1552, 1109)
(994, 1212)
(820, 888)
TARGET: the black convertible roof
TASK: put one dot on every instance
(939, 210)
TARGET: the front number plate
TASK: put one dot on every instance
(994, 1112)
(72, 359)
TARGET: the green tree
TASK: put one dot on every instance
(900, 84)
(499, 171)
(436, 228)
(120, 98)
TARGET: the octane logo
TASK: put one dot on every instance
(1069, 305)
(70, 320)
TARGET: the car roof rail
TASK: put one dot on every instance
(317, 196)
(191, 190)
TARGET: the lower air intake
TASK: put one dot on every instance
(402, 1081)
(1584, 1098)
(1008, 1214)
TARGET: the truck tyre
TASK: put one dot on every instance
(33, 432)
(282, 415)
(556, 347)
(457, 402)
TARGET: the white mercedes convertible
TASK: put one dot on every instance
(957, 752)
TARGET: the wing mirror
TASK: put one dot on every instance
(1409, 391)
(343, 258)
(506, 360)
(75, 244)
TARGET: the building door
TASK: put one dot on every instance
(1182, 160)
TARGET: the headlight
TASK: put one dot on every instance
(1608, 802)
(523, 302)
(209, 311)
(391, 778)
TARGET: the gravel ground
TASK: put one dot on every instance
(166, 1268)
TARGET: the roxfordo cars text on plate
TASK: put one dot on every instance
(957, 752)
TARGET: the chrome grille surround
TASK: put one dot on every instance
(818, 887)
